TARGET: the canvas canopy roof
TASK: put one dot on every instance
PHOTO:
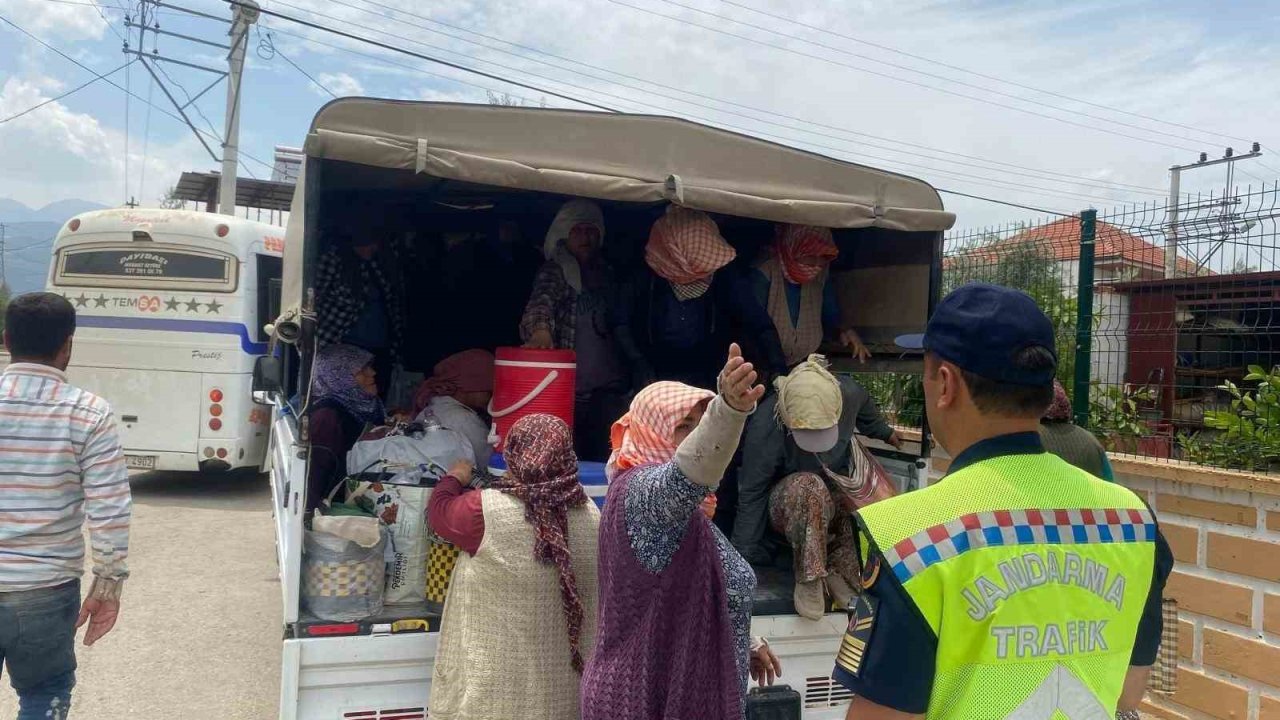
(617, 157)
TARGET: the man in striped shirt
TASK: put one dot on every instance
(60, 463)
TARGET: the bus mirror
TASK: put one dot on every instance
(268, 379)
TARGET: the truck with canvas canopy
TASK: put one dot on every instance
(449, 183)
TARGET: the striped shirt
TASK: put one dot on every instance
(60, 461)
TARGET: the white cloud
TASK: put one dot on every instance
(340, 84)
(54, 153)
(60, 22)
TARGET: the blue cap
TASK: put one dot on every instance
(981, 327)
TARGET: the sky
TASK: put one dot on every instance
(1056, 106)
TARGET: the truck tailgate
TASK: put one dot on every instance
(157, 410)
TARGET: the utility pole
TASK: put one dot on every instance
(1175, 191)
(244, 13)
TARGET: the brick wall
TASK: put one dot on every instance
(1224, 530)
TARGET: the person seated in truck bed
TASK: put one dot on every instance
(574, 307)
(344, 400)
(797, 434)
(520, 618)
(456, 395)
(675, 597)
(685, 303)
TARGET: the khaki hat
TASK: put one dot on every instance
(809, 405)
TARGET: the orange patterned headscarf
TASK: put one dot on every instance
(686, 248)
(793, 242)
(646, 434)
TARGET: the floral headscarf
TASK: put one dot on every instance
(685, 248)
(646, 434)
(542, 472)
(793, 242)
(335, 372)
(467, 371)
(1060, 409)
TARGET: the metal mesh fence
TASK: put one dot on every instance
(1185, 322)
(1186, 337)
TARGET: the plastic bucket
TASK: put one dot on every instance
(531, 382)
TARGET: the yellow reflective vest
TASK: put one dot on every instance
(1033, 576)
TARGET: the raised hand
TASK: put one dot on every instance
(738, 382)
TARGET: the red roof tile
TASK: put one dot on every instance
(1062, 239)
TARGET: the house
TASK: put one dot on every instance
(1120, 256)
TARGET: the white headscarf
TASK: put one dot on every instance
(573, 213)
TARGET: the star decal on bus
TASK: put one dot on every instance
(82, 300)
(100, 301)
(172, 304)
(214, 306)
(193, 305)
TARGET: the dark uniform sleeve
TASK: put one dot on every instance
(1151, 626)
(888, 653)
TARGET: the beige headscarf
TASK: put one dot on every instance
(573, 213)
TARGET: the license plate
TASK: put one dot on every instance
(140, 462)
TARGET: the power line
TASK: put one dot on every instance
(721, 31)
(1005, 202)
(128, 93)
(1037, 173)
(268, 46)
(983, 180)
(750, 131)
(975, 73)
(72, 91)
(420, 56)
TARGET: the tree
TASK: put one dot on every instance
(1034, 270)
(171, 201)
(5, 294)
(509, 100)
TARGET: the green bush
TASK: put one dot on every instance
(1248, 434)
(1114, 416)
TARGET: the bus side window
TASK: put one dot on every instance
(270, 281)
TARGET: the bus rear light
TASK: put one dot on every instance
(222, 230)
(215, 424)
(75, 224)
(215, 395)
(215, 410)
(222, 453)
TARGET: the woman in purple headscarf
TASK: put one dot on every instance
(344, 400)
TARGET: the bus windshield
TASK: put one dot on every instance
(150, 267)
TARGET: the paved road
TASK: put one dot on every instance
(199, 633)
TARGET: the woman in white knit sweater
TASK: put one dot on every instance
(521, 613)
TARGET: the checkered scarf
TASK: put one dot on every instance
(685, 248)
(542, 472)
(342, 281)
(792, 242)
(646, 434)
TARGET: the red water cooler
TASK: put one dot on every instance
(531, 382)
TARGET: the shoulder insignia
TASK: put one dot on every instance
(853, 646)
(870, 571)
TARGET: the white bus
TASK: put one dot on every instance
(170, 308)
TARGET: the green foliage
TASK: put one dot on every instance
(899, 395)
(1034, 270)
(1114, 416)
(1248, 436)
(5, 295)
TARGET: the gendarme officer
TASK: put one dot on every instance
(1018, 586)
